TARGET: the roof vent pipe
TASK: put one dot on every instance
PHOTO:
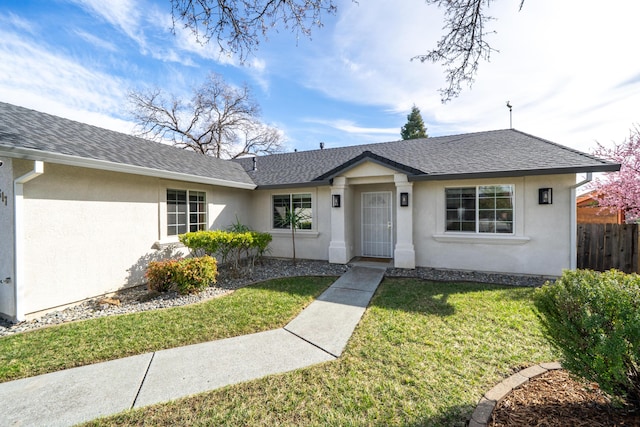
(255, 164)
(322, 145)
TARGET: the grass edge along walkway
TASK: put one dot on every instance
(255, 308)
(423, 354)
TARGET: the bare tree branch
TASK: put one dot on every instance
(464, 44)
(220, 120)
(259, 139)
(238, 25)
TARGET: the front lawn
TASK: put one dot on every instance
(261, 307)
(423, 354)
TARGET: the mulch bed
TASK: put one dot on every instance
(554, 399)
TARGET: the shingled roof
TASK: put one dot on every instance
(29, 134)
(497, 153)
(33, 135)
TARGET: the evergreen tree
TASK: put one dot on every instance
(414, 128)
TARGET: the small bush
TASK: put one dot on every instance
(185, 276)
(594, 320)
(230, 246)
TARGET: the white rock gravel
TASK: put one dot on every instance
(139, 299)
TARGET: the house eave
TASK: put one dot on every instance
(319, 183)
(514, 173)
(69, 160)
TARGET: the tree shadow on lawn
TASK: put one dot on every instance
(430, 297)
(454, 416)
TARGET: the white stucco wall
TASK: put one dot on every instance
(89, 232)
(310, 244)
(7, 304)
(541, 243)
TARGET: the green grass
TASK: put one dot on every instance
(423, 355)
(261, 307)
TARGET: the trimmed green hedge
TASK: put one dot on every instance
(228, 245)
(185, 276)
(594, 320)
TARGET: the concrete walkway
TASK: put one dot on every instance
(319, 334)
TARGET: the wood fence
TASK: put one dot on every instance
(605, 246)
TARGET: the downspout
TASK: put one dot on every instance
(574, 220)
(18, 224)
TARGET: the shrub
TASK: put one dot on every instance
(594, 320)
(185, 276)
(228, 245)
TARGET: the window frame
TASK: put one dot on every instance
(291, 196)
(480, 228)
(196, 212)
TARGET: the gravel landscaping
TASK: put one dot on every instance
(137, 299)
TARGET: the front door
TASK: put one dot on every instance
(377, 224)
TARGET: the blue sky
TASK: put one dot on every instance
(569, 68)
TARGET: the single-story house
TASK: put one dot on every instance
(84, 209)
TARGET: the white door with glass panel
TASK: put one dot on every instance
(377, 223)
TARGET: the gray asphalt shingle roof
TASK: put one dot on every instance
(28, 133)
(482, 154)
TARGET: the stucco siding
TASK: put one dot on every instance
(310, 244)
(89, 232)
(7, 302)
(540, 243)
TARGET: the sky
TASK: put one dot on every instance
(569, 68)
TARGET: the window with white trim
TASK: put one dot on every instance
(284, 204)
(480, 209)
(186, 211)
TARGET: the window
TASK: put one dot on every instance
(186, 211)
(481, 209)
(283, 204)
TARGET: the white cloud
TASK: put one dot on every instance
(17, 22)
(37, 77)
(122, 14)
(369, 57)
(352, 128)
(562, 65)
(96, 41)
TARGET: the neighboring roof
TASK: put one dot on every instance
(33, 135)
(497, 153)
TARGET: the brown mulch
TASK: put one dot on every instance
(554, 399)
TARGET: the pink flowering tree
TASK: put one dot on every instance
(621, 190)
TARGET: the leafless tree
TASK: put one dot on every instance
(464, 44)
(220, 120)
(239, 25)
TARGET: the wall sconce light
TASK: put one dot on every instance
(335, 200)
(545, 196)
(404, 199)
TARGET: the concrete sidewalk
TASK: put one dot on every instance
(319, 334)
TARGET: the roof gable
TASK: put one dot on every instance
(500, 153)
(366, 157)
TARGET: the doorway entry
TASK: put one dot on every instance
(377, 224)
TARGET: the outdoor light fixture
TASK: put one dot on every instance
(544, 196)
(404, 199)
(335, 200)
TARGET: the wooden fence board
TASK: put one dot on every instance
(605, 246)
